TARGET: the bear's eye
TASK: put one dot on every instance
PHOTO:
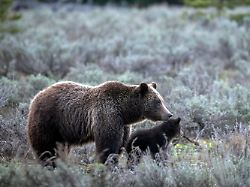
(158, 102)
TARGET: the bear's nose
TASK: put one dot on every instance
(170, 115)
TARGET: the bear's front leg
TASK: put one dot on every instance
(126, 134)
(108, 140)
(153, 150)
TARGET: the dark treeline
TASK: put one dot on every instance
(143, 3)
(120, 2)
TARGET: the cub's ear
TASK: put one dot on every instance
(142, 88)
(153, 84)
(178, 120)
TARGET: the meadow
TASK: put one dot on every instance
(200, 59)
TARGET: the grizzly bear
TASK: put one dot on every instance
(68, 114)
(154, 138)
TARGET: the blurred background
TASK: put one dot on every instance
(197, 51)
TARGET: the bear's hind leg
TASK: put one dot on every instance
(45, 149)
(47, 157)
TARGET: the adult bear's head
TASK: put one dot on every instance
(153, 103)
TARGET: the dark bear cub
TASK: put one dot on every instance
(154, 138)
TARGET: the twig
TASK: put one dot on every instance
(192, 141)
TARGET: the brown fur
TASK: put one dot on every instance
(73, 114)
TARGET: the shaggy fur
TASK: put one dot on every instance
(154, 138)
(73, 114)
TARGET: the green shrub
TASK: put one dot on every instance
(130, 2)
(6, 16)
(240, 17)
(9, 92)
(231, 171)
(14, 92)
(216, 3)
(143, 3)
(187, 174)
(31, 86)
(90, 74)
(149, 173)
(34, 175)
(94, 75)
(4, 9)
(199, 3)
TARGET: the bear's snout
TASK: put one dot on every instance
(166, 117)
(165, 113)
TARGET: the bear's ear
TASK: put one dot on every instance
(153, 85)
(143, 88)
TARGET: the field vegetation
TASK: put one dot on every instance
(200, 59)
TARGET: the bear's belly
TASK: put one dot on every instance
(75, 133)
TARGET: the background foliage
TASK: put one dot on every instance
(193, 3)
(200, 59)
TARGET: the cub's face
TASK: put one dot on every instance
(173, 125)
(171, 128)
(153, 103)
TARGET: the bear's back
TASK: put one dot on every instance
(58, 107)
(61, 91)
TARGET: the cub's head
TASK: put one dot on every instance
(171, 127)
(152, 103)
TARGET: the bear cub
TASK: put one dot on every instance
(154, 138)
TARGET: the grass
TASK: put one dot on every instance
(206, 166)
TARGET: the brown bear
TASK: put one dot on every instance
(153, 138)
(69, 113)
